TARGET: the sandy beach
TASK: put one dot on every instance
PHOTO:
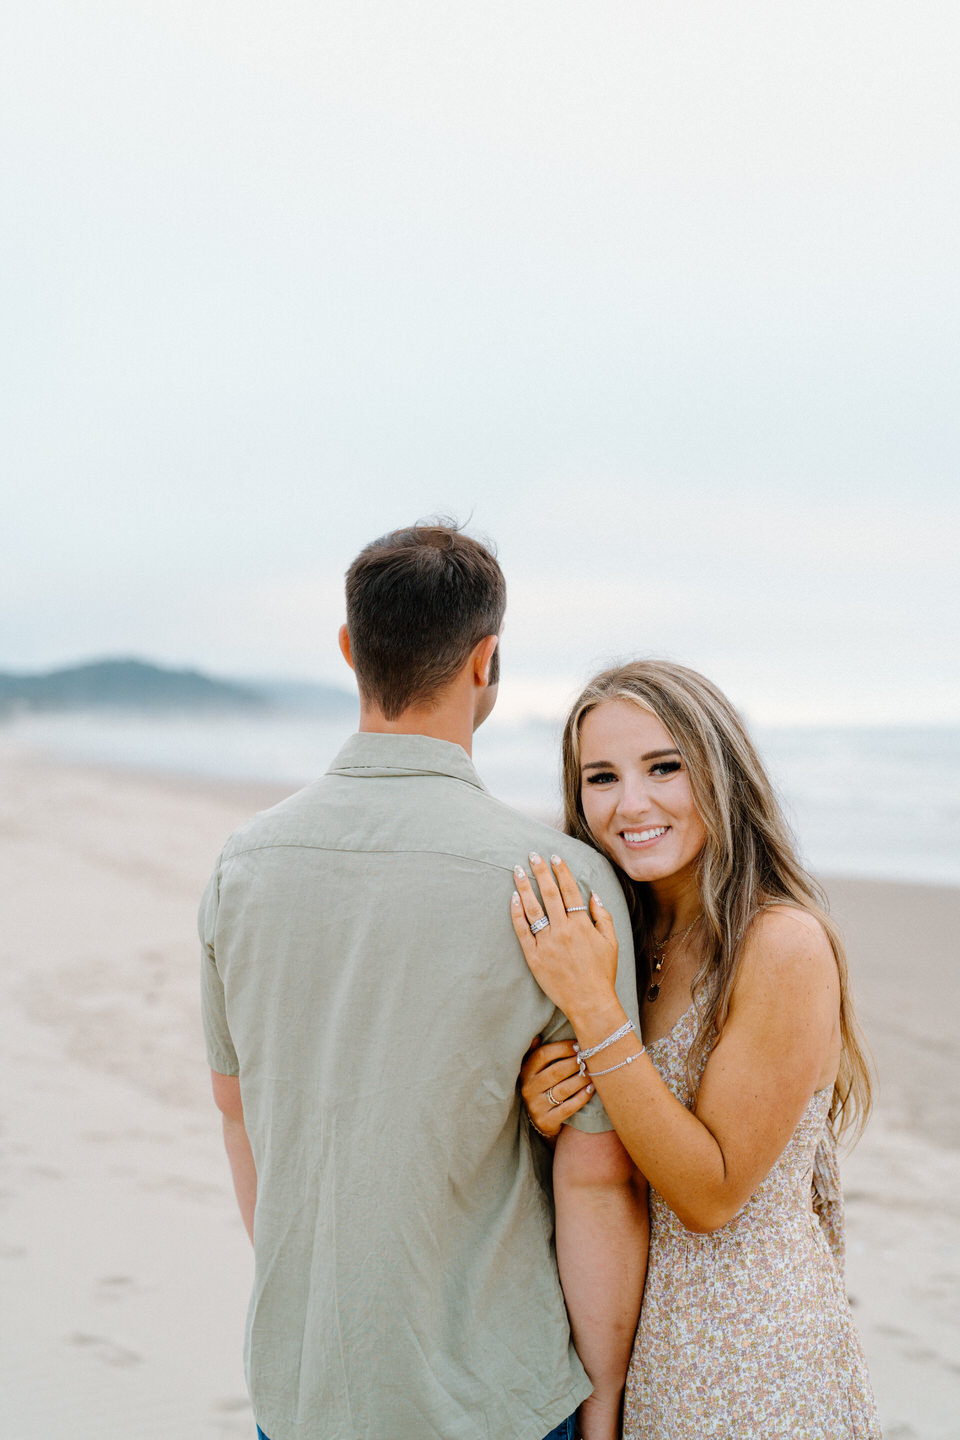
(123, 1264)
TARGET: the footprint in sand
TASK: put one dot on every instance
(232, 1418)
(105, 1350)
(190, 1189)
(918, 1352)
(117, 1287)
(46, 1172)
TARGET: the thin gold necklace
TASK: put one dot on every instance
(660, 955)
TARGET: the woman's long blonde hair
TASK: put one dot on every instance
(748, 860)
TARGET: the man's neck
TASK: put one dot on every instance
(447, 722)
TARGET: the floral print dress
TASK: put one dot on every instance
(746, 1334)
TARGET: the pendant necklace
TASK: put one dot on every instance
(659, 955)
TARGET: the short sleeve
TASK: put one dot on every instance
(221, 1055)
(593, 1118)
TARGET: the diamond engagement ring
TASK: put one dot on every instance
(551, 1097)
(540, 924)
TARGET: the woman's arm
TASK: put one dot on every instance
(602, 1238)
(780, 1042)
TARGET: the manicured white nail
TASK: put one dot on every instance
(535, 858)
(589, 1089)
(598, 902)
(519, 871)
(516, 899)
(555, 860)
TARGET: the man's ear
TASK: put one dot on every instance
(483, 659)
(344, 639)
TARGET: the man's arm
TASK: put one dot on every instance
(603, 1232)
(226, 1095)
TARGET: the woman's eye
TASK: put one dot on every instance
(600, 777)
(665, 767)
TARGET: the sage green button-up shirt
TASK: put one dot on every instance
(362, 977)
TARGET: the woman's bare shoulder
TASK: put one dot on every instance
(786, 950)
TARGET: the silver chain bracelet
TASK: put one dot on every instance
(617, 1035)
(584, 1055)
(609, 1071)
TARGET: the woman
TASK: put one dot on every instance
(749, 1063)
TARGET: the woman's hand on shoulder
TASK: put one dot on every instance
(569, 944)
(552, 1086)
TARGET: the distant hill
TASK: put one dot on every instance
(128, 684)
(124, 685)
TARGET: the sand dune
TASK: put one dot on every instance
(123, 1264)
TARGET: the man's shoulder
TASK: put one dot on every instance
(517, 834)
(274, 825)
(468, 821)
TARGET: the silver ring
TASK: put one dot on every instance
(551, 1097)
(572, 909)
(540, 924)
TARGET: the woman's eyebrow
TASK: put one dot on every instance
(609, 765)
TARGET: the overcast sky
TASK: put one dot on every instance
(663, 297)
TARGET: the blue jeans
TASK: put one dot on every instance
(564, 1431)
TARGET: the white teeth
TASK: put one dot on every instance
(637, 836)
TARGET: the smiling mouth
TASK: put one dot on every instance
(643, 837)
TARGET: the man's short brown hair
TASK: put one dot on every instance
(418, 601)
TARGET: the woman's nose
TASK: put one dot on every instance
(634, 801)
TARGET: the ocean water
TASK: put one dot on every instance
(875, 802)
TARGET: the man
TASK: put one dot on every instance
(366, 1008)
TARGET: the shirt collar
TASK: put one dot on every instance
(373, 754)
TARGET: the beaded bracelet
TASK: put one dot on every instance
(609, 1071)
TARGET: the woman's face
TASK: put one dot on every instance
(636, 793)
